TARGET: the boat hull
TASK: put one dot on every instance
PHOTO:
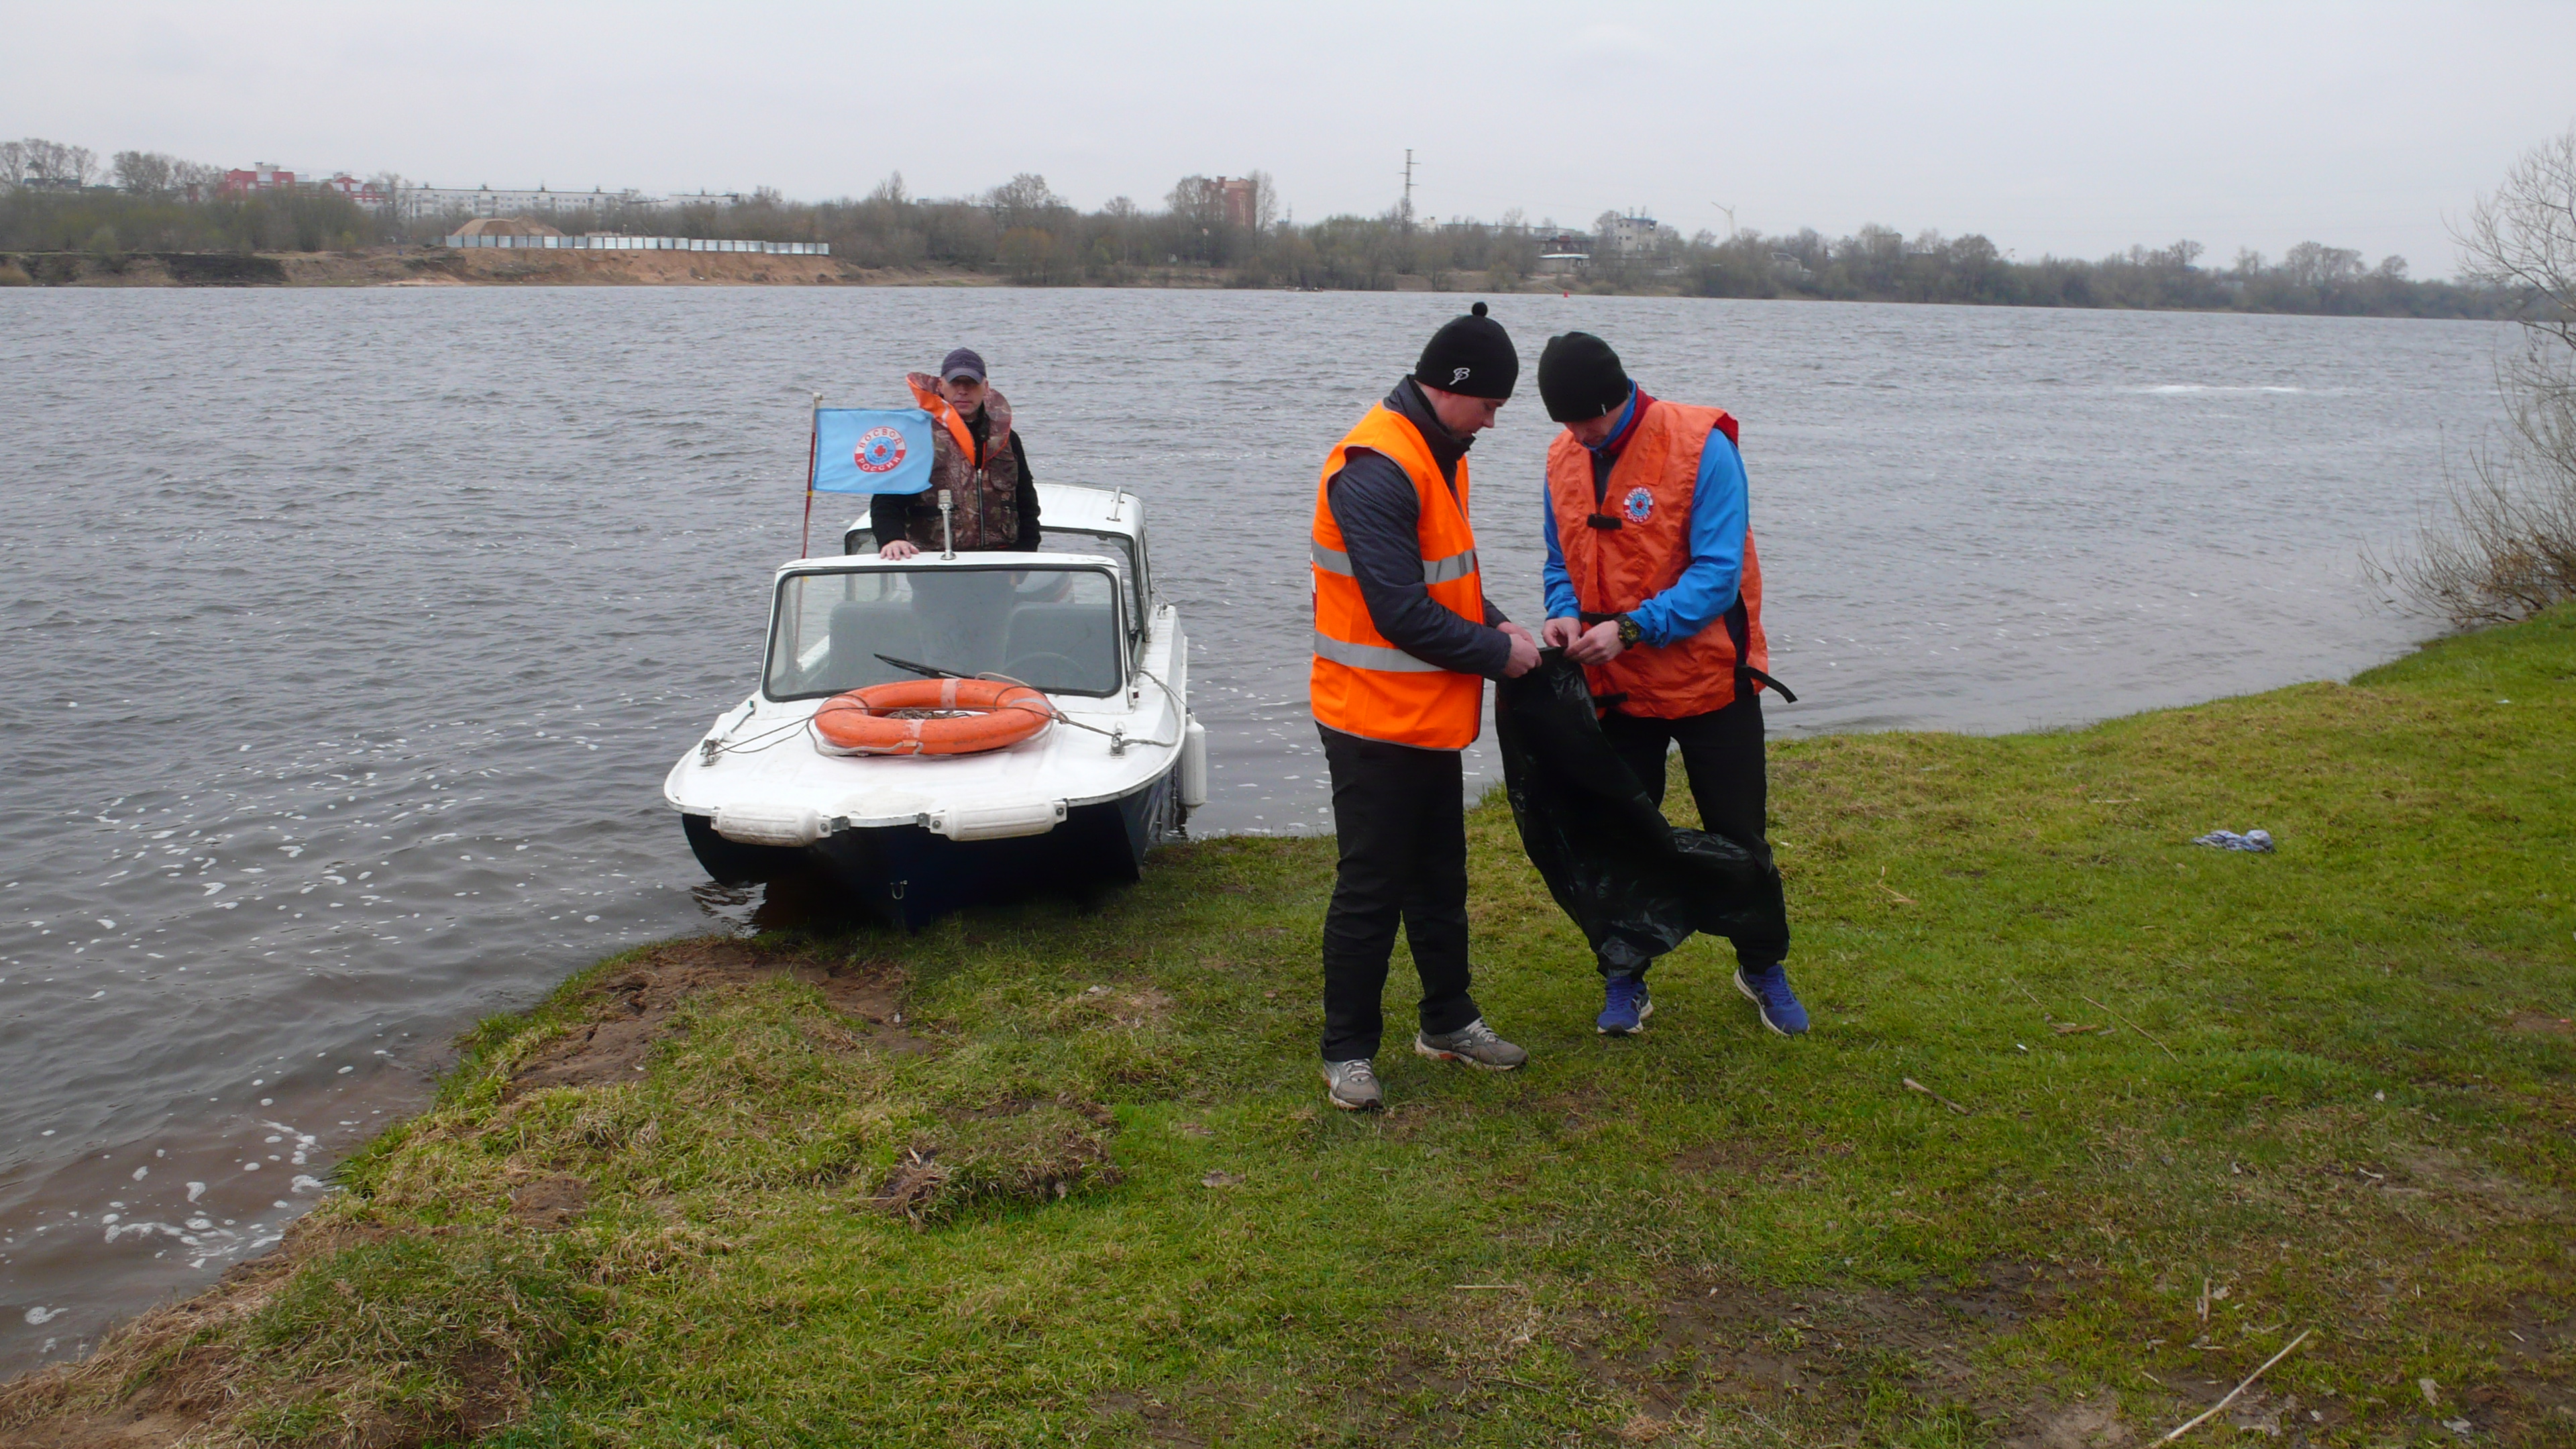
(909, 876)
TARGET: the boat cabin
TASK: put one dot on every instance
(1070, 620)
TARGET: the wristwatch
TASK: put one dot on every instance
(1630, 631)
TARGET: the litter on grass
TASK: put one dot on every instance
(2254, 840)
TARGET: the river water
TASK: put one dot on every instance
(348, 634)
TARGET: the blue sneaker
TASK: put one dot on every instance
(1779, 1005)
(1624, 1006)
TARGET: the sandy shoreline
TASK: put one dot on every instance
(443, 267)
(446, 267)
(477, 267)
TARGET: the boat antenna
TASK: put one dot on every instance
(813, 452)
(947, 524)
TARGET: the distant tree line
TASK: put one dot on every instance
(53, 200)
(1879, 264)
(1209, 231)
(1025, 233)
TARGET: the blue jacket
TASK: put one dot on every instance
(1721, 516)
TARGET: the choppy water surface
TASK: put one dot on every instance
(348, 634)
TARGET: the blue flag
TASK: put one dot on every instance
(871, 450)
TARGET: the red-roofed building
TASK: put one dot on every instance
(365, 193)
(264, 176)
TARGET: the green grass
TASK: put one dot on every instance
(1087, 1192)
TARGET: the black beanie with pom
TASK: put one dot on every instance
(1471, 355)
(1579, 377)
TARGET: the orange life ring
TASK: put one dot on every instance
(945, 717)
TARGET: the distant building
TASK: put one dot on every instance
(1626, 234)
(1241, 200)
(513, 233)
(504, 226)
(262, 176)
(411, 202)
(365, 193)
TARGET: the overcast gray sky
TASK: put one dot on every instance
(2067, 127)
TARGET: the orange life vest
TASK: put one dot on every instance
(1362, 684)
(984, 487)
(1636, 544)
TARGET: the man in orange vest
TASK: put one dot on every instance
(977, 458)
(1653, 585)
(1404, 641)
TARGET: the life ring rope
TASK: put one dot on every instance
(776, 735)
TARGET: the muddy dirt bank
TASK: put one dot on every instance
(444, 267)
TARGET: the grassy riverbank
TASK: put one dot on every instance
(1067, 1176)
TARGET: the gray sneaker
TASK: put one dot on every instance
(1475, 1044)
(1352, 1085)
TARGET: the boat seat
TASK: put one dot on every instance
(861, 630)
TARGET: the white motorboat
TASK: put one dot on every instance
(912, 837)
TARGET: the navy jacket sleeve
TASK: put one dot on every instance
(890, 517)
(1374, 506)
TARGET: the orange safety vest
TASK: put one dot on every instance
(1635, 545)
(1362, 684)
(985, 489)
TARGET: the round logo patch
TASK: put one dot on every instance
(880, 450)
(1640, 505)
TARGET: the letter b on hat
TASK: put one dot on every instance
(1471, 355)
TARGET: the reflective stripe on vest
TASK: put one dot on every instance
(1372, 656)
(1362, 683)
(1613, 570)
(1434, 570)
(1455, 566)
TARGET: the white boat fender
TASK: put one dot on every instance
(763, 823)
(1194, 766)
(997, 822)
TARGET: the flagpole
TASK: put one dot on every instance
(813, 452)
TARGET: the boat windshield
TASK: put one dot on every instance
(1054, 628)
(1120, 546)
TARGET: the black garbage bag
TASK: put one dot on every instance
(1637, 886)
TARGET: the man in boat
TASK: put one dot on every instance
(1652, 584)
(1404, 641)
(976, 456)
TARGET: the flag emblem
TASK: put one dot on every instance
(871, 450)
(880, 450)
(1641, 505)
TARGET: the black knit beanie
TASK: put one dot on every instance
(1579, 377)
(1471, 355)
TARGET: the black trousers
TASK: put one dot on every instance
(1722, 757)
(1401, 820)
